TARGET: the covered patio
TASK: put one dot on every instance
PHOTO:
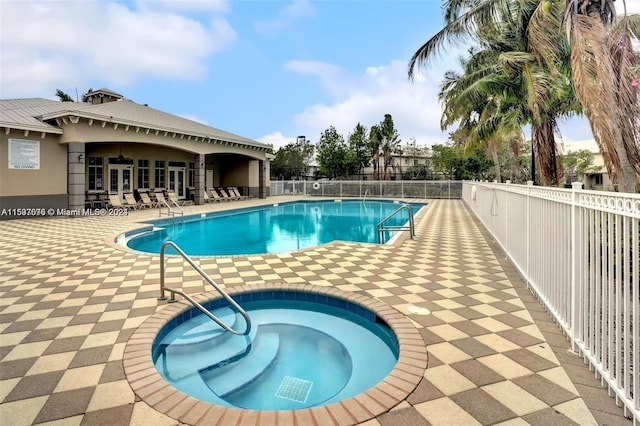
(70, 302)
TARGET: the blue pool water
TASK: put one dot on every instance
(299, 354)
(273, 229)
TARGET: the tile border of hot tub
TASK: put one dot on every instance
(148, 384)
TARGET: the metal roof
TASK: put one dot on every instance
(36, 113)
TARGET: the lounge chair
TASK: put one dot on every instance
(146, 201)
(130, 200)
(226, 196)
(216, 197)
(114, 201)
(209, 199)
(174, 198)
(235, 192)
(162, 201)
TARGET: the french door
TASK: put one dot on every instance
(177, 181)
(120, 176)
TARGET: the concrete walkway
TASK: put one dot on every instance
(70, 301)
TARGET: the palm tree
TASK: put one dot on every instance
(63, 96)
(389, 141)
(504, 85)
(602, 64)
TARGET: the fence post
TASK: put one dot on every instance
(575, 264)
(529, 186)
(506, 217)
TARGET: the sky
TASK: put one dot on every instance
(269, 70)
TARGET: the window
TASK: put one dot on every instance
(143, 174)
(597, 180)
(159, 175)
(95, 173)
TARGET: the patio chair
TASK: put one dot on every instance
(174, 198)
(216, 197)
(147, 201)
(130, 200)
(235, 192)
(225, 195)
(209, 199)
(161, 200)
(114, 201)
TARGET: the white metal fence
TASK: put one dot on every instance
(579, 252)
(368, 188)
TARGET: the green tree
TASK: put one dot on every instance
(446, 161)
(577, 163)
(358, 150)
(292, 161)
(332, 154)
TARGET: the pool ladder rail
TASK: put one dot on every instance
(382, 228)
(207, 278)
(170, 205)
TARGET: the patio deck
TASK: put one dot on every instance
(69, 303)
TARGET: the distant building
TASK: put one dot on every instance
(597, 178)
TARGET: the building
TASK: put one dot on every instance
(596, 176)
(57, 154)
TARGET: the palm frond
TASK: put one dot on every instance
(623, 61)
(593, 78)
(460, 26)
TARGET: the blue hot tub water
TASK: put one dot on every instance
(273, 229)
(304, 350)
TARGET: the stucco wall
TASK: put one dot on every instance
(49, 179)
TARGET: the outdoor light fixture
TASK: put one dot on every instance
(81, 158)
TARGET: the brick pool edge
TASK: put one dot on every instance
(150, 387)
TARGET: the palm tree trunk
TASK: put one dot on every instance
(548, 161)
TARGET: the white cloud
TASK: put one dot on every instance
(379, 90)
(277, 139)
(46, 46)
(219, 6)
(366, 98)
(286, 16)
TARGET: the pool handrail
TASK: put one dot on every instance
(382, 228)
(207, 278)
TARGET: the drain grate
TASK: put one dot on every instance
(294, 389)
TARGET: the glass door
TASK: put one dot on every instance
(120, 179)
(177, 181)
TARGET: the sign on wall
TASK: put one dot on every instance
(24, 154)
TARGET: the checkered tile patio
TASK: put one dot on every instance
(70, 302)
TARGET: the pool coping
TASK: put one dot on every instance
(150, 387)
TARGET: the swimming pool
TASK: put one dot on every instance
(272, 229)
(304, 350)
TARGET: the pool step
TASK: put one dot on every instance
(208, 329)
(180, 361)
(227, 378)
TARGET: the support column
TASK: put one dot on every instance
(200, 178)
(76, 175)
(262, 181)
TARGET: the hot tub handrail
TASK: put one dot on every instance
(207, 278)
(382, 227)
